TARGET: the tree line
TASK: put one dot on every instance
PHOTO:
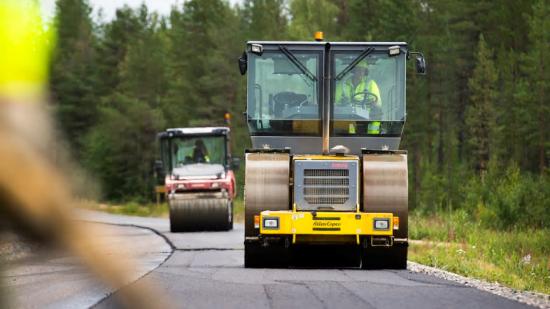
(477, 129)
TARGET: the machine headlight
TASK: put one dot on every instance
(257, 49)
(271, 223)
(381, 224)
(394, 50)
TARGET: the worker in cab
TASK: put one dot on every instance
(200, 153)
(359, 89)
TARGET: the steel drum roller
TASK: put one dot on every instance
(267, 185)
(385, 187)
(200, 214)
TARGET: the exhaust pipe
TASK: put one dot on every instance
(326, 101)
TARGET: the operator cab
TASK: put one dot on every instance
(287, 89)
(195, 152)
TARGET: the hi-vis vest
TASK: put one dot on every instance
(345, 91)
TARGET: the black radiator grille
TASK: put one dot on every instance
(326, 173)
(326, 181)
(330, 191)
(325, 200)
(326, 186)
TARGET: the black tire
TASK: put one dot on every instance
(394, 257)
(272, 256)
(199, 215)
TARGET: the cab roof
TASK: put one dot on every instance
(331, 43)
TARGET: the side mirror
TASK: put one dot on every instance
(420, 63)
(159, 168)
(243, 63)
(235, 163)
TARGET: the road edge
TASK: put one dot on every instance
(166, 240)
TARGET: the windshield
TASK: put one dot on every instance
(368, 95)
(192, 150)
(283, 92)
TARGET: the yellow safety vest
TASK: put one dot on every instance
(346, 90)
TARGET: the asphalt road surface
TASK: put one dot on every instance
(205, 270)
(54, 279)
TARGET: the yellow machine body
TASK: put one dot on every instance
(336, 226)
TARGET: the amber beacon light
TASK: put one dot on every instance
(319, 36)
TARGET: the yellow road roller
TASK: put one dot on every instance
(325, 169)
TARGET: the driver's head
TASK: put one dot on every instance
(361, 69)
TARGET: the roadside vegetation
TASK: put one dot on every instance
(132, 209)
(152, 209)
(500, 232)
(518, 258)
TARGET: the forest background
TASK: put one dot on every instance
(477, 130)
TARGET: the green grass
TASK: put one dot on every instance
(238, 210)
(518, 258)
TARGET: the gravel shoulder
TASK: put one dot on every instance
(530, 298)
(13, 247)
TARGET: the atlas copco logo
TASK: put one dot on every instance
(326, 224)
(342, 165)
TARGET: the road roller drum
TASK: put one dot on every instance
(385, 189)
(188, 214)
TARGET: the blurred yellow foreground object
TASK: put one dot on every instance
(35, 195)
(25, 46)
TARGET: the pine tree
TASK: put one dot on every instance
(143, 71)
(480, 114)
(203, 79)
(73, 71)
(112, 48)
(537, 85)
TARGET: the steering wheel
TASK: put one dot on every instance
(370, 99)
(287, 99)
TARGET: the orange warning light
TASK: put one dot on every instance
(395, 223)
(256, 222)
(319, 36)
